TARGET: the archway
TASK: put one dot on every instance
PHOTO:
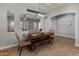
(64, 24)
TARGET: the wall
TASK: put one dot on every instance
(66, 25)
(54, 25)
(8, 39)
(77, 27)
(68, 8)
(72, 8)
(60, 27)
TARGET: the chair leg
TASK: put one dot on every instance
(20, 51)
(18, 48)
(53, 39)
(51, 42)
(33, 47)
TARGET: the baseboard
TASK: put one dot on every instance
(9, 46)
(77, 45)
(65, 36)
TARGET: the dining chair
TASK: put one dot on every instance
(22, 43)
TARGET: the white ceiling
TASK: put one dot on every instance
(53, 6)
(44, 7)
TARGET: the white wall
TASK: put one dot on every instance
(66, 25)
(68, 8)
(72, 8)
(8, 38)
(60, 25)
(54, 26)
(77, 27)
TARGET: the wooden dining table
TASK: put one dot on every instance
(39, 38)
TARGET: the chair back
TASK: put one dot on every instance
(18, 38)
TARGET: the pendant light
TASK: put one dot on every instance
(24, 17)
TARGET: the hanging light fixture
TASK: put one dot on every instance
(41, 15)
(24, 17)
(38, 13)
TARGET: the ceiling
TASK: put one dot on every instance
(44, 7)
(41, 7)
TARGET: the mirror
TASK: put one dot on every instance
(10, 21)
